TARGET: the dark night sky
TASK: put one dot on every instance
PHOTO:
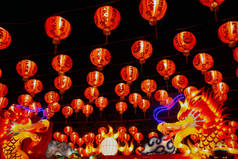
(25, 22)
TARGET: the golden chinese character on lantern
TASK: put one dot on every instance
(165, 68)
(33, 86)
(62, 83)
(180, 82)
(213, 77)
(25, 100)
(26, 68)
(3, 90)
(122, 90)
(161, 96)
(100, 57)
(95, 78)
(134, 99)
(101, 103)
(203, 62)
(3, 102)
(148, 86)
(62, 63)
(51, 97)
(152, 10)
(5, 38)
(129, 74)
(91, 93)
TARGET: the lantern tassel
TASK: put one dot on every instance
(55, 49)
(144, 114)
(66, 121)
(76, 115)
(135, 110)
(215, 15)
(106, 39)
(187, 59)
(156, 32)
(167, 85)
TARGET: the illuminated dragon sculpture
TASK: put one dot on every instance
(200, 127)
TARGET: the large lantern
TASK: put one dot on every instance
(165, 68)
(141, 50)
(62, 63)
(180, 82)
(95, 78)
(62, 83)
(144, 104)
(101, 103)
(161, 96)
(153, 10)
(26, 68)
(203, 62)
(67, 111)
(25, 100)
(190, 91)
(228, 33)
(235, 54)
(87, 110)
(77, 104)
(91, 93)
(3, 102)
(3, 90)
(129, 74)
(33, 86)
(100, 57)
(220, 88)
(148, 86)
(121, 107)
(57, 28)
(54, 107)
(134, 99)
(213, 77)
(122, 90)
(51, 97)
(5, 38)
(107, 18)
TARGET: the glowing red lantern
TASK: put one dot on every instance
(148, 86)
(165, 68)
(212, 4)
(102, 130)
(203, 62)
(138, 137)
(139, 149)
(89, 138)
(34, 106)
(122, 90)
(56, 135)
(161, 96)
(184, 42)
(63, 138)
(77, 104)
(228, 32)
(99, 138)
(3, 102)
(54, 107)
(25, 100)
(134, 99)
(235, 54)
(51, 97)
(62, 83)
(232, 124)
(57, 28)
(67, 111)
(62, 63)
(33, 86)
(190, 91)
(3, 90)
(129, 74)
(221, 98)
(107, 18)
(133, 130)
(144, 104)
(220, 88)
(5, 38)
(153, 10)
(180, 82)
(121, 130)
(152, 134)
(95, 78)
(213, 77)
(91, 93)
(68, 130)
(101, 103)
(121, 107)
(26, 68)
(48, 113)
(80, 141)
(142, 50)
(87, 110)
(100, 57)
(74, 137)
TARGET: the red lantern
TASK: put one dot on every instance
(184, 42)
(228, 32)
(74, 137)
(54, 107)
(63, 138)
(121, 107)
(25, 100)
(5, 38)
(121, 130)
(89, 138)
(138, 137)
(213, 4)
(68, 130)
(134, 99)
(153, 10)
(129, 74)
(220, 88)
(33, 86)
(34, 106)
(62, 83)
(180, 82)
(139, 150)
(102, 130)
(165, 68)
(203, 62)
(142, 50)
(232, 124)
(152, 134)
(122, 90)
(221, 98)
(77, 104)
(51, 97)
(62, 63)
(133, 130)
(95, 78)
(3, 102)
(190, 91)
(26, 68)
(144, 104)
(57, 28)
(107, 18)
(91, 93)
(3, 90)
(80, 141)
(48, 113)
(99, 139)
(87, 110)
(67, 111)
(161, 96)
(101, 103)
(148, 86)
(235, 54)
(56, 135)
(100, 57)
(213, 77)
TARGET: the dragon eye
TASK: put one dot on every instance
(58, 154)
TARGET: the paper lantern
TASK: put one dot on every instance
(129, 74)
(54, 107)
(102, 130)
(180, 82)
(184, 42)
(235, 54)
(152, 10)
(220, 88)
(148, 86)
(91, 93)
(121, 130)
(3, 102)
(165, 68)
(99, 138)
(121, 107)
(33, 86)
(232, 124)
(80, 141)
(203, 62)
(68, 130)
(142, 50)
(57, 28)
(35, 106)
(77, 104)
(108, 147)
(152, 134)
(67, 111)
(100, 57)
(51, 97)
(133, 130)
(3, 90)
(144, 104)
(62, 83)
(138, 137)
(134, 99)
(89, 138)
(101, 103)
(62, 63)
(73, 137)
(107, 18)
(228, 33)
(122, 90)
(26, 68)
(25, 100)
(161, 96)
(63, 138)
(213, 77)
(87, 110)
(95, 78)
(212, 4)
(56, 135)
(190, 91)
(5, 38)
